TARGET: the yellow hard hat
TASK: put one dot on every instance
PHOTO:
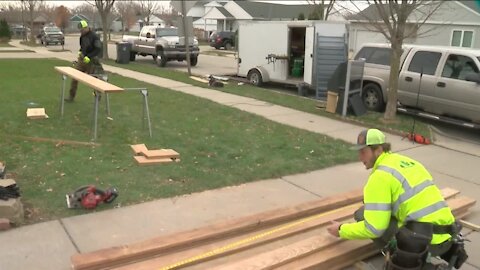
(82, 24)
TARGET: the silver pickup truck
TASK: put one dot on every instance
(163, 44)
(444, 81)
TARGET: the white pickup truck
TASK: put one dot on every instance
(442, 81)
(163, 44)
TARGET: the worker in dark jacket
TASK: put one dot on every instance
(88, 55)
(404, 211)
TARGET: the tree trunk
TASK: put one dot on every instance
(391, 109)
(105, 37)
(32, 32)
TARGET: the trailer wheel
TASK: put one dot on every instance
(161, 59)
(372, 97)
(255, 77)
(228, 46)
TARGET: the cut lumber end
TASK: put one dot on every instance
(139, 149)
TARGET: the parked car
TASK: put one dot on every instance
(52, 34)
(444, 81)
(163, 44)
(225, 39)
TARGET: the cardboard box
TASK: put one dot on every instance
(332, 100)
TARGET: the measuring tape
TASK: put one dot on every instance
(251, 239)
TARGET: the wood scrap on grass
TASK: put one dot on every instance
(144, 156)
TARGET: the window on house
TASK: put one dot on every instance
(424, 62)
(462, 38)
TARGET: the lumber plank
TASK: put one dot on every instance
(279, 257)
(161, 153)
(36, 113)
(141, 160)
(139, 148)
(275, 258)
(199, 79)
(196, 238)
(470, 225)
(89, 80)
(257, 262)
(118, 255)
(259, 238)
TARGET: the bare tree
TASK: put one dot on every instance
(321, 10)
(126, 11)
(104, 8)
(148, 8)
(88, 10)
(395, 22)
(48, 10)
(32, 6)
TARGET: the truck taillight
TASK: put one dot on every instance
(219, 39)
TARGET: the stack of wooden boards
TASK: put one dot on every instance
(143, 156)
(288, 238)
(36, 113)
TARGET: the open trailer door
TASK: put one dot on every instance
(308, 61)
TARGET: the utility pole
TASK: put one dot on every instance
(186, 37)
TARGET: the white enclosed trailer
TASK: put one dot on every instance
(269, 51)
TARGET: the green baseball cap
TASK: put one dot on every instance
(369, 137)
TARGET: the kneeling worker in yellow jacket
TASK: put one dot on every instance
(404, 212)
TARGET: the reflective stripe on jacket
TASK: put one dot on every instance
(401, 187)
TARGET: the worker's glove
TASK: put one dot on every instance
(86, 59)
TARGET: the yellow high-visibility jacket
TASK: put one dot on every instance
(401, 187)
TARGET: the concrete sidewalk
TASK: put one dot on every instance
(49, 245)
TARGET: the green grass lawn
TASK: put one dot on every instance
(371, 119)
(5, 44)
(219, 146)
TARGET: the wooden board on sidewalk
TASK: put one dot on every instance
(231, 238)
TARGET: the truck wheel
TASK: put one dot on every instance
(161, 59)
(255, 77)
(228, 46)
(193, 61)
(132, 56)
(372, 97)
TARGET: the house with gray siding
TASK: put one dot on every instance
(228, 14)
(454, 23)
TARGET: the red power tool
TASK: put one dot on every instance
(89, 197)
(417, 138)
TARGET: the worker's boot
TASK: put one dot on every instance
(69, 99)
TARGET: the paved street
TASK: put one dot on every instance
(207, 64)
